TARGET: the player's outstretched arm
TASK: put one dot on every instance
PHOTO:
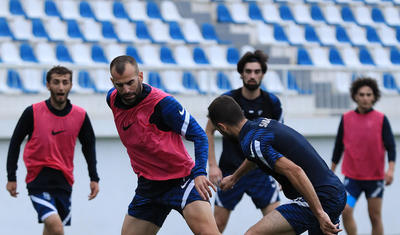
(215, 174)
(302, 184)
(229, 181)
(12, 188)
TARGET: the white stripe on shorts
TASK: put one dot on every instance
(187, 192)
(45, 216)
(377, 191)
(67, 218)
(46, 204)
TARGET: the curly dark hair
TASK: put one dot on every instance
(257, 56)
(365, 81)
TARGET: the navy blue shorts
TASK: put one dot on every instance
(156, 209)
(301, 218)
(371, 188)
(47, 204)
(261, 187)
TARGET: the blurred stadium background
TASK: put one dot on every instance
(190, 49)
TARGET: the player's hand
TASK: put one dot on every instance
(388, 177)
(203, 185)
(327, 226)
(227, 183)
(12, 188)
(94, 189)
(215, 175)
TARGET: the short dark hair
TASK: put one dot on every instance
(224, 109)
(365, 81)
(61, 70)
(120, 61)
(257, 56)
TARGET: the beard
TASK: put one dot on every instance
(251, 87)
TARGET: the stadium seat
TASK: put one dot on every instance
(235, 79)
(189, 82)
(347, 15)
(240, 13)
(320, 56)
(265, 34)
(5, 32)
(57, 29)
(358, 35)
(125, 31)
(108, 32)
(172, 80)
(166, 55)
(85, 82)
(271, 14)
(184, 56)
(80, 54)
(387, 35)
(350, 57)
(153, 11)
(51, 10)
(332, 15)
(154, 80)
(98, 55)
(342, 82)
(377, 15)
(372, 35)
(273, 82)
(217, 55)
(74, 31)
(101, 80)
(293, 85)
(392, 16)
(296, 34)
(208, 33)
(38, 30)
(31, 81)
(199, 57)
(4, 88)
(91, 30)
(63, 54)
(4, 12)
(159, 32)
(137, 11)
(365, 57)
(279, 34)
(363, 15)
(103, 10)
(334, 57)
(131, 51)
(255, 12)
(316, 14)
(395, 56)
(192, 32)
(301, 13)
(9, 53)
(85, 10)
(303, 57)
(45, 53)
(142, 32)
(232, 55)
(381, 56)
(341, 35)
(169, 11)
(14, 81)
(327, 35)
(151, 55)
(119, 11)
(113, 50)
(26, 53)
(223, 14)
(223, 81)
(310, 35)
(22, 29)
(69, 9)
(389, 82)
(33, 8)
(16, 8)
(286, 13)
(175, 31)
(207, 82)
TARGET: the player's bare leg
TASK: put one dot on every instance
(271, 224)
(199, 217)
(375, 215)
(221, 216)
(135, 226)
(269, 208)
(348, 220)
(53, 225)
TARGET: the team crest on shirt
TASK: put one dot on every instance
(264, 123)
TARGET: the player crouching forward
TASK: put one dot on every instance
(318, 195)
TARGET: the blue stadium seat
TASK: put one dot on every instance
(85, 10)
(108, 31)
(310, 34)
(155, 81)
(334, 57)
(166, 55)
(377, 16)
(26, 53)
(153, 11)
(365, 56)
(389, 82)
(279, 34)
(74, 31)
(372, 35)
(303, 58)
(208, 32)
(38, 29)
(119, 11)
(142, 32)
(316, 13)
(341, 35)
(347, 15)
(14, 80)
(5, 29)
(398, 33)
(285, 13)
(16, 8)
(292, 85)
(131, 51)
(223, 15)
(223, 81)
(189, 82)
(175, 31)
(63, 54)
(98, 54)
(51, 9)
(199, 56)
(255, 12)
(85, 81)
(232, 55)
(395, 56)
